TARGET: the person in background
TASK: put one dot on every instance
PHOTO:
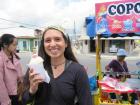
(10, 70)
(68, 78)
(118, 65)
(119, 70)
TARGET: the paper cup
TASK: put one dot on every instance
(38, 68)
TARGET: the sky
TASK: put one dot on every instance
(39, 14)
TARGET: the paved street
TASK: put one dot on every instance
(89, 61)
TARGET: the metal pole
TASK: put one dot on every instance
(98, 65)
(74, 31)
(98, 57)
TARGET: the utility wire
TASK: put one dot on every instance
(18, 22)
(8, 27)
(16, 27)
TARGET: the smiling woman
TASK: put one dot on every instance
(68, 78)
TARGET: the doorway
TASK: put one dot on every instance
(92, 45)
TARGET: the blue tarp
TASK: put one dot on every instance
(90, 26)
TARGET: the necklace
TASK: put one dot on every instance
(55, 66)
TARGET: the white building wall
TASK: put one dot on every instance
(85, 47)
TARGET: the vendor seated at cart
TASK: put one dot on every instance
(119, 64)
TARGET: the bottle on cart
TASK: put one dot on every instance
(136, 102)
(125, 99)
(112, 74)
(134, 98)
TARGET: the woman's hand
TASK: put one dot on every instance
(34, 79)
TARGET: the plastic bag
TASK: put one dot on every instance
(93, 83)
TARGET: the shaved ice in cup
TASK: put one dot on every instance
(36, 63)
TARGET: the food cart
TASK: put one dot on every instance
(119, 18)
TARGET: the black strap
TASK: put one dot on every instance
(121, 66)
(57, 93)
